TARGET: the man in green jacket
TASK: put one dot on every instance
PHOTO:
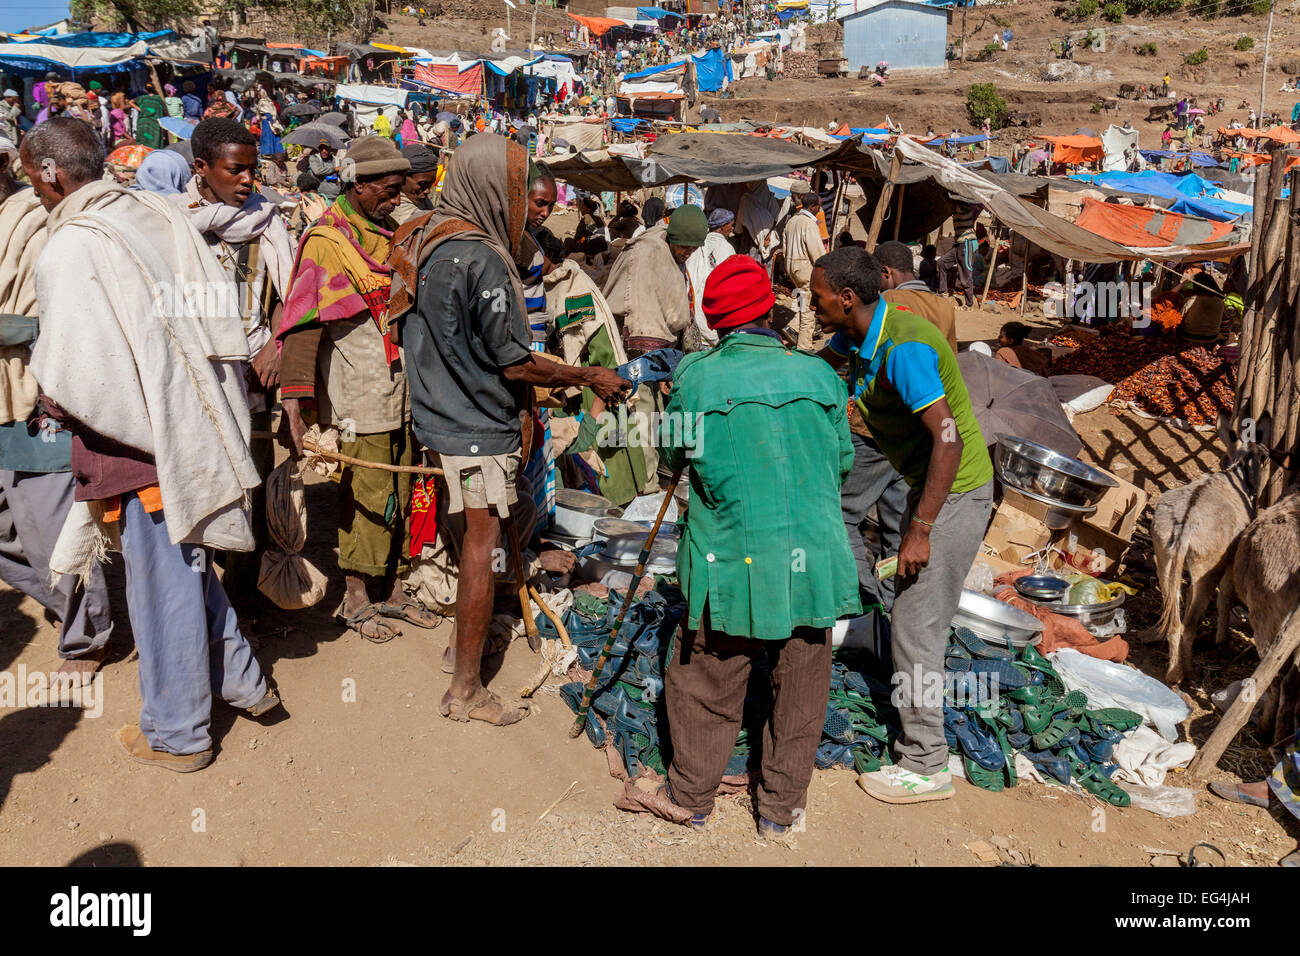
(904, 378)
(764, 559)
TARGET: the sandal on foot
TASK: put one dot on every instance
(1233, 793)
(413, 612)
(485, 706)
(270, 700)
(367, 622)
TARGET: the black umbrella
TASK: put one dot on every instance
(302, 109)
(334, 119)
(313, 134)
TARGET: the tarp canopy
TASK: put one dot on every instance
(1117, 141)
(1198, 158)
(450, 78)
(1282, 134)
(580, 132)
(38, 57)
(1076, 150)
(598, 26)
(1199, 196)
(956, 140)
(1142, 226)
(657, 13)
(371, 94)
(712, 70)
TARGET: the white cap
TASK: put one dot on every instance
(11, 92)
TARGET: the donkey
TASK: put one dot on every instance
(1264, 573)
(1194, 528)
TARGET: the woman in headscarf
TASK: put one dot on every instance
(467, 351)
(408, 136)
(164, 172)
(119, 123)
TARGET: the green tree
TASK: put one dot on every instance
(134, 14)
(984, 102)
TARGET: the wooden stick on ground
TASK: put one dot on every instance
(544, 671)
(988, 275)
(521, 582)
(1230, 725)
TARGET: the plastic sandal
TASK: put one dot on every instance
(1032, 659)
(832, 754)
(970, 641)
(865, 762)
(1076, 701)
(1115, 717)
(1007, 675)
(1099, 785)
(981, 777)
(838, 727)
(1059, 733)
(974, 741)
(1058, 768)
(1027, 695)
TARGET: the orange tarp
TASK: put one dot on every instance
(1248, 160)
(1076, 150)
(598, 26)
(1245, 132)
(1142, 227)
(1282, 134)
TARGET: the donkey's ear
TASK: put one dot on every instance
(1227, 433)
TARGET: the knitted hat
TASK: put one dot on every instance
(374, 156)
(720, 217)
(421, 158)
(736, 293)
(687, 226)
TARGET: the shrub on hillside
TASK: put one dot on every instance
(1145, 49)
(984, 102)
(1085, 10)
(1244, 43)
(1209, 9)
(1197, 58)
(1113, 11)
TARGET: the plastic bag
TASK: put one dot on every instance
(1085, 589)
(1163, 801)
(1117, 625)
(1108, 684)
(980, 578)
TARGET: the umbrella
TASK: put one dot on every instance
(180, 128)
(333, 119)
(313, 134)
(1196, 111)
(445, 117)
(1011, 401)
(302, 109)
(128, 156)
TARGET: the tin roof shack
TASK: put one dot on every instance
(906, 34)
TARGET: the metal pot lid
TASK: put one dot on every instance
(610, 527)
(1043, 587)
(626, 548)
(583, 502)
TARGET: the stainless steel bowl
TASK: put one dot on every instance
(1059, 515)
(1041, 587)
(996, 621)
(1089, 615)
(1036, 468)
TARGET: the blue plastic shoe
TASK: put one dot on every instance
(831, 754)
(1056, 767)
(965, 734)
(977, 647)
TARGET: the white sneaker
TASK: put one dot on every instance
(895, 784)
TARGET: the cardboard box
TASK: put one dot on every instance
(1014, 535)
(1119, 508)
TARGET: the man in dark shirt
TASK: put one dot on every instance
(471, 370)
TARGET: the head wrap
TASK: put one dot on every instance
(96, 85)
(169, 89)
(374, 156)
(421, 158)
(720, 217)
(652, 211)
(687, 226)
(163, 172)
(736, 293)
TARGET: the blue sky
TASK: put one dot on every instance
(15, 16)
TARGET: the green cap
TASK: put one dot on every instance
(688, 226)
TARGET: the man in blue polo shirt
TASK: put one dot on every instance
(904, 379)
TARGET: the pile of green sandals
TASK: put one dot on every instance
(997, 703)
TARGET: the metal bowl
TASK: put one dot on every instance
(1059, 515)
(1041, 587)
(1089, 615)
(996, 621)
(576, 512)
(1036, 468)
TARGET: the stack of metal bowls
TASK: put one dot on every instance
(1067, 486)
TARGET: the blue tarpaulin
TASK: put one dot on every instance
(711, 69)
(101, 39)
(994, 164)
(957, 140)
(626, 124)
(657, 13)
(1198, 158)
(1194, 195)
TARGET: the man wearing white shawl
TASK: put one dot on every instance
(249, 238)
(144, 358)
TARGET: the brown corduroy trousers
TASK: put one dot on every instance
(704, 692)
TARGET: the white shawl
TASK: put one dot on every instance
(146, 347)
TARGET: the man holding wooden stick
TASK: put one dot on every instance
(461, 303)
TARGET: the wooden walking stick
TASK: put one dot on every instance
(1288, 640)
(641, 559)
(521, 582)
(544, 671)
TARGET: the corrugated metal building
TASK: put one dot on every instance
(907, 34)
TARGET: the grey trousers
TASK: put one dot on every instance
(873, 481)
(923, 610)
(32, 510)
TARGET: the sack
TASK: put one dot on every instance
(285, 576)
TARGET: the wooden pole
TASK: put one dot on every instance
(988, 275)
(882, 202)
(1263, 73)
(963, 31)
(1230, 725)
(898, 209)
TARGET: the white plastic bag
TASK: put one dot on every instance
(1163, 801)
(1108, 684)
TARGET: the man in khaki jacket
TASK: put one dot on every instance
(802, 244)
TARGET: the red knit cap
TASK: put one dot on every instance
(737, 292)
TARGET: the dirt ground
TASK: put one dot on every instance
(358, 768)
